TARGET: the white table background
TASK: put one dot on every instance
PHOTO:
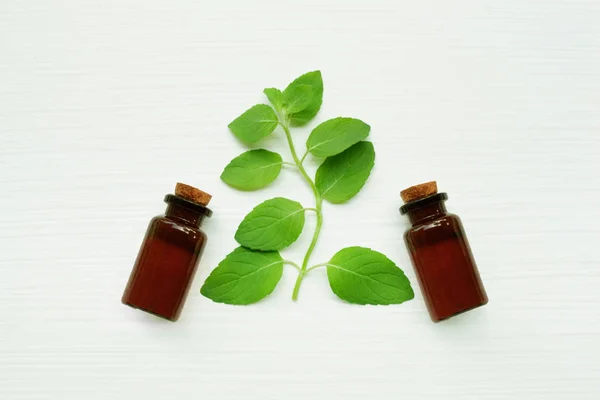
(104, 105)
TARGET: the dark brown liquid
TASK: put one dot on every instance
(166, 263)
(443, 262)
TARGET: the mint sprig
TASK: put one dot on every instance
(251, 272)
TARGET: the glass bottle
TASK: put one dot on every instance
(169, 255)
(440, 254)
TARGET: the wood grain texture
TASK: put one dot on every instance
(104, 105)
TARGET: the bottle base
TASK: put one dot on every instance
(462, 311)
(170, 319)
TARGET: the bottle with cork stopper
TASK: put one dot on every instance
(440, 254)
(167, 260)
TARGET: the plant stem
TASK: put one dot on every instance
(318, 209)
(303, 157)
(293, 264)
(317, 266)
(311, 247)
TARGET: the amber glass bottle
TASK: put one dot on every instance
(440, 253)
(169, 254)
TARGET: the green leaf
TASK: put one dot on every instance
(252, 170)
(271, 225)
(256, 123)
(244, 277)
(275, 97)
(363, 276)
(336, 135)
(341, 177)
(315, 81)
(297, 98)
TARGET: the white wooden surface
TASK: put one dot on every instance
(104, 105)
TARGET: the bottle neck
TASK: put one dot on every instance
(429, 207)
(427, 211)
(185, 211)
(184, 214)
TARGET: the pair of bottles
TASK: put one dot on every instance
(437, 244)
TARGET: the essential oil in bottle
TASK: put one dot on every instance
(169, 255)
(440, 254)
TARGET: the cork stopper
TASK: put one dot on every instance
(192, 194)
(419, 191)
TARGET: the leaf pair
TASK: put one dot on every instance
(356, 274)
(338, 179)
(349, 159)
(277, 223)
(292, 100)
(299, 102)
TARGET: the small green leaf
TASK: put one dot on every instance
(272, 225)
(252, 170)
(244, 277)
(336, 135)
(363, 276)
(256, 123)
(297, 98)
(341, 177)
(315, 81)
(275, 97)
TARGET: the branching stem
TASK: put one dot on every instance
(317, 209)
(293, 264)
(318, 266)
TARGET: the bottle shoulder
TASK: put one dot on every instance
(447, 221)
(164, 225)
